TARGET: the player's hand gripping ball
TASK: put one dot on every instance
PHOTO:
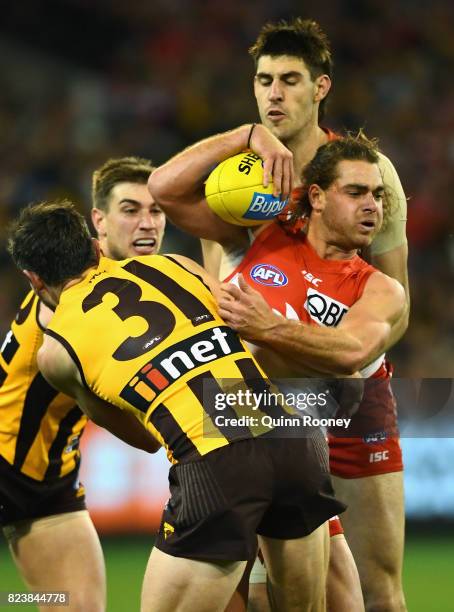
(235, 191)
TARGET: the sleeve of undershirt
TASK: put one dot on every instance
(393, 233)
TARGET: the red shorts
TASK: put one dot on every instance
(372, 446)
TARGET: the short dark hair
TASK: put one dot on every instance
(118, 170)
(323, 169)
(302, 38)
(52, 240)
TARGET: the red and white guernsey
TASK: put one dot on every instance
(300, 285)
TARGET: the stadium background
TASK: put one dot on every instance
(81, 81)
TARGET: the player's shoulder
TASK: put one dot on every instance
(55, 362)
(168, 260)
(381, 283)
(44, 315)
(52, 355)
(189, 265)
(153, 261)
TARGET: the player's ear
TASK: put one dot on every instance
(35, 281)
(322, 87)
(316, 197)
(98, 217)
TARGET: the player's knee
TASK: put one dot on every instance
(297, 594)
(87, 600)
(258, 598)
(388, 600)
(387, 606)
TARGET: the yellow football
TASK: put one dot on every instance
(235, 192)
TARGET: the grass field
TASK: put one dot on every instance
(428, 571)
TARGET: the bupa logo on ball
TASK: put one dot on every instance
(264, 206)
(266, 274)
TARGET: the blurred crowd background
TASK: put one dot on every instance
(84, 80)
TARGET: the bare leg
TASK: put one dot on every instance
(297, 571)
(258, 588)
(63, 553)
(174, 583)
(374, 527)
(343, 589)
(258, 598)
(239, 601)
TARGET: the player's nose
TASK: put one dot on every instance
(147, 220)
(275, 92)
(369, 203)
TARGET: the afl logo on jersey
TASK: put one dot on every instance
(269, 275)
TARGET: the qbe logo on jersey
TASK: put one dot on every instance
(324, 310)
(264, 206)
(269, 275)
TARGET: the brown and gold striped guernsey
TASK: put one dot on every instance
(146, 336)
(39, 427)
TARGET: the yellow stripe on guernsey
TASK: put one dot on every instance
(146, 336)
(39, 428)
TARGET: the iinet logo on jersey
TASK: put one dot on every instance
(175, 361)
(324, 310)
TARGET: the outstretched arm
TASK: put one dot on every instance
(389, 250)
(60, 371)
(363, 334)
(178, 185)
(394, 264)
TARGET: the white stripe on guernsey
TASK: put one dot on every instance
(372, 367)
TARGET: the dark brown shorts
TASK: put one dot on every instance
(23, 498)
(279, 488)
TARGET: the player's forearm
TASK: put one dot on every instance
(134, 435)
(120, 423)
(181, 178)
(394, 264)
(399, 328)
(328, 350)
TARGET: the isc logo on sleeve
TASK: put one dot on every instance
(324, 310)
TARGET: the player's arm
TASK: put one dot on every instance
(61, 372)
(212, 256)
(210, 281)
(178, 185)
(389, 250)
(363, 334)
(394, 264)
